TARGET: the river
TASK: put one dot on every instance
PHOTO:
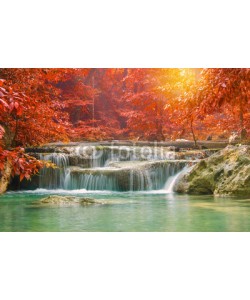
(127, 211)
(138, 193)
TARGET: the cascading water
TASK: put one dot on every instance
(119, 180)
(54, 178)
(110, 168)
(171, 181)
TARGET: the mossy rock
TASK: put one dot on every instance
(226, 172)
(58, 200)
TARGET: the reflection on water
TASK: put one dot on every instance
(129, 211)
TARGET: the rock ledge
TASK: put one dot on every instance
(226, 172)
(57, 200)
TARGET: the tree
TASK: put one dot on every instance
(228, 89)
(14, 161)
(148, 94)
(42, 105)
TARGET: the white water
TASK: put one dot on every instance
(97, 173)
(171, 181)
(167, 189)
(59, 191)
(118, 179)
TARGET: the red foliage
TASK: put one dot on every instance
(38, 106)
(227, 89)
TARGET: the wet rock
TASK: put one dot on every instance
(76, 160)
(194, 154)
(226, 172)
(57, 200)
(43, 149)
(181, 143)
(25, 184)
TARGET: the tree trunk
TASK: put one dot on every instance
(194, 137)
(5, 177)
(13, 143)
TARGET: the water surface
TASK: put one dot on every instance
(125, 211)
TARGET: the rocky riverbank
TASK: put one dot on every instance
(184, 144)
(105, 166)
(226, 172)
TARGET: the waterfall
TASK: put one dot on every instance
(123, 179)
(109, 168)
(54, 178)
(171, 181)
(169, 185)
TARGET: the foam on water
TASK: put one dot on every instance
(101, 173)
(58, 191)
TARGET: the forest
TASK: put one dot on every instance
(39, 106)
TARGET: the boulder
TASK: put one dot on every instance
(58, 200)
(226, 172)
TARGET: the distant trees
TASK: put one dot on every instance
(216, 102)
(226, 90)
(148, 95)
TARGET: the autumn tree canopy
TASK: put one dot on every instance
(38, 106)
